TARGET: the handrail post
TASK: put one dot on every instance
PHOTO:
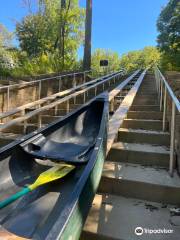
(67, 106)
(74, 80)
(84, 77)
(8, 96)
(155, 72)
(161, 96)
(165, 109)
(159, 87)
(84, 97)
(39, 90)
(59, 84)
(112, 105)
(39, 120)
(172, 144)
(158, 83)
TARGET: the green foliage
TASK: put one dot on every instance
(40, 34)
(145, 58)
(169, 38)
(5, 37)
(45, 63)
(6, 59)
(102, 54)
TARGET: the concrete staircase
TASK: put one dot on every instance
(136, 189)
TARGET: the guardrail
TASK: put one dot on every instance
(53, 97)
(39, 83)
(163, 90)
(81, 92)
(120, 114)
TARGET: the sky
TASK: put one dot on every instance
(119, 25)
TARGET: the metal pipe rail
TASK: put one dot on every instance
(56, 103)
(120, 114)
(163, 90)
(39, 83)
(54, 96)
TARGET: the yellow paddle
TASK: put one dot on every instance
(50, 175)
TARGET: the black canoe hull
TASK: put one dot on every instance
(66, 203)
(82, 196)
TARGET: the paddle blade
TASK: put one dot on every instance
(51, 174)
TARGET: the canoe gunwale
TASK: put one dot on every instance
(73, 201)
(8, 149)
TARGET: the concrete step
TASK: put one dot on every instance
(145, 115)
(148, 88)
(136, 181)
(145, 108)
(143, 136)
(139, 94)
(145, 101)
(116, 218)
(145, 124)
(145, 154)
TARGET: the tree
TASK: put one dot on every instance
(168, 25)
(5, 37)
(55, 28)
(112, 57)
(145, 58)
(6, 59)
(88, 30)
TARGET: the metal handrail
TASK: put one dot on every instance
(43, 79)
(171, 93)
(58, 102)
(39, 82)
(163, 89)
(53, 96)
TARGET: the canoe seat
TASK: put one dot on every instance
(74, 153)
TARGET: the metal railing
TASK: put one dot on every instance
(39, 83)
(52, 97)
(164, 90)
(103, 85)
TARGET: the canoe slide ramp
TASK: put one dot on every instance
(139, 192)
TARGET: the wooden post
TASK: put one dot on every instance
(88, 30)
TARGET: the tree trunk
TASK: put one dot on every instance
(63, 6)
(88, 31)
